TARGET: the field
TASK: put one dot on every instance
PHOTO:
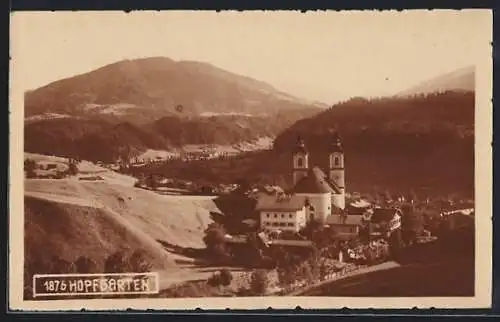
(69, 218)
(431, 269)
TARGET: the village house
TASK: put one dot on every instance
(281, 212)
(387, 220)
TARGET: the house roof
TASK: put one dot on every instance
(383, 214)
(315, 181)
(287, 242)
(343, 220)
(359, 204)
(280, 202)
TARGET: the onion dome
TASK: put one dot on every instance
(300, 146)
(336, 143)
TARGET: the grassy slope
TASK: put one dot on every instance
(441, 268)
(69, 218)
(446, 278)
(69, 231)
(179, 221)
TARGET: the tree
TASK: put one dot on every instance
(151, 182)
(312, 227)
(412, 224)
(225, 277)
(254, 254)
(116, 263)
(85, 265)
(395, 240)
(376, 195)
(324, 269)
(387, 197)
(286, 275)
(214, 280)
(243, 185)
(413, 198)
(310, 270)
(215, 241)
(323, 237)
(259, 282)
(29, 167)
(72, 169)
(138, 263)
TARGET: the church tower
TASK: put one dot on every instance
(300, 160)
(336, 162)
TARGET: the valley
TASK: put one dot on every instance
(69, 218)
(151, 155)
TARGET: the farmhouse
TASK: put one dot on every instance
(282, 212)
(387, 220)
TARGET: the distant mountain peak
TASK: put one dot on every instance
(462, 79)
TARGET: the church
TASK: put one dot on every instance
(317, 194)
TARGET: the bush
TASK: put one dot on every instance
(138, 263)
(286, 275)
(72, 169)
(215, 242)
(312, 228)
(116, 263)
(121, 262)
(85, 265)
(226, 277)
(151, 182)
(29, 167)
(214, 280)
(259, 282)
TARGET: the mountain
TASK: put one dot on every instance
(425, 143)
(60, 136)
(144, 90)
(131, 106)
(459, 80)
(105, 140)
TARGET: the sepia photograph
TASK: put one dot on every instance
(199, 159)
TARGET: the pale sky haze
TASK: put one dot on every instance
(325, 55)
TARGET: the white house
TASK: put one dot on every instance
(389, 218)
(282, 212)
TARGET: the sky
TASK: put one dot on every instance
(326, 55)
